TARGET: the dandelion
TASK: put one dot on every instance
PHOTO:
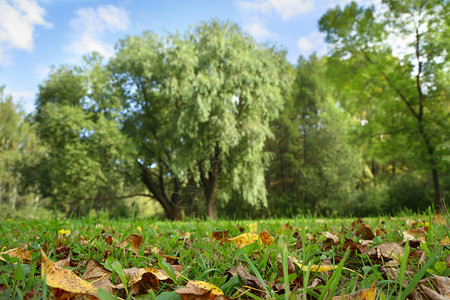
(64, 231)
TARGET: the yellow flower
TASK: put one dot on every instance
(139, 228)
(64, 231)
(9, 220)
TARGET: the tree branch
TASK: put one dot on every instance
(399, 93)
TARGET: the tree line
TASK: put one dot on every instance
(210, 122)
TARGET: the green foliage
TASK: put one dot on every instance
(397, 92)
(315, 166)
(20, 152)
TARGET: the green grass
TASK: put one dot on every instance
(203, 259)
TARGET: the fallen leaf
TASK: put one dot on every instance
(133, 241)
(316, 268)
(390, 250)
(61, 294)
(290, 265)
(435, 287)
(415, 234)
(330, 239)
(251, 281)
(193, 293)
(22, 254)
(244, 239)
(253, 227)
(362, 230)
(445, 241)
(64, 279)
(207, 286)
(266, 238)
(439, 219)
(98, 275)
(366, 294)
(220, 236)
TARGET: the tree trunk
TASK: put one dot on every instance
(156, 187)
(438, 201)
(210, 185)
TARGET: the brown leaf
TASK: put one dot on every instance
(64, 262)
(366, 294)
(61, 294)
(64, 279)
(353, 246)
(362, 230)
(331, 239)
(98, 275)
(439, 219)
(436, 287)
(133, 241)
(290, 265)
(220, 236)
(415, 234)
(392, 251)
(193, 293)
(265, 237)
(250, 280)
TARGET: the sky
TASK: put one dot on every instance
(36, 35)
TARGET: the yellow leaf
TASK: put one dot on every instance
(323, 268)
(445, 241)
(18, 253)
(253, 227)
(439, 219)
(316, 268)
(64, 279)
(207, 286)
(244, 239)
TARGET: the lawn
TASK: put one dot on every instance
(302, 258)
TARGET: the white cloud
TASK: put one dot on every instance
(258, 30)
(312, 42)
(286, 9)
(90, 25)
(17, 23)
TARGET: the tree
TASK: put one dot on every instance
(198, 107)
(315, 166)
(19, 151)
(89, 158)
(407, 85)
(190, 109)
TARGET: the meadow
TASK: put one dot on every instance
(403, 257)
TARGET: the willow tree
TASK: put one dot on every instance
(400, 88)
(198, 107)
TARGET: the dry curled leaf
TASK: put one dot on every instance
(133, 241)
(98, 275)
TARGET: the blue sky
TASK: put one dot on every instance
(36, 35)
